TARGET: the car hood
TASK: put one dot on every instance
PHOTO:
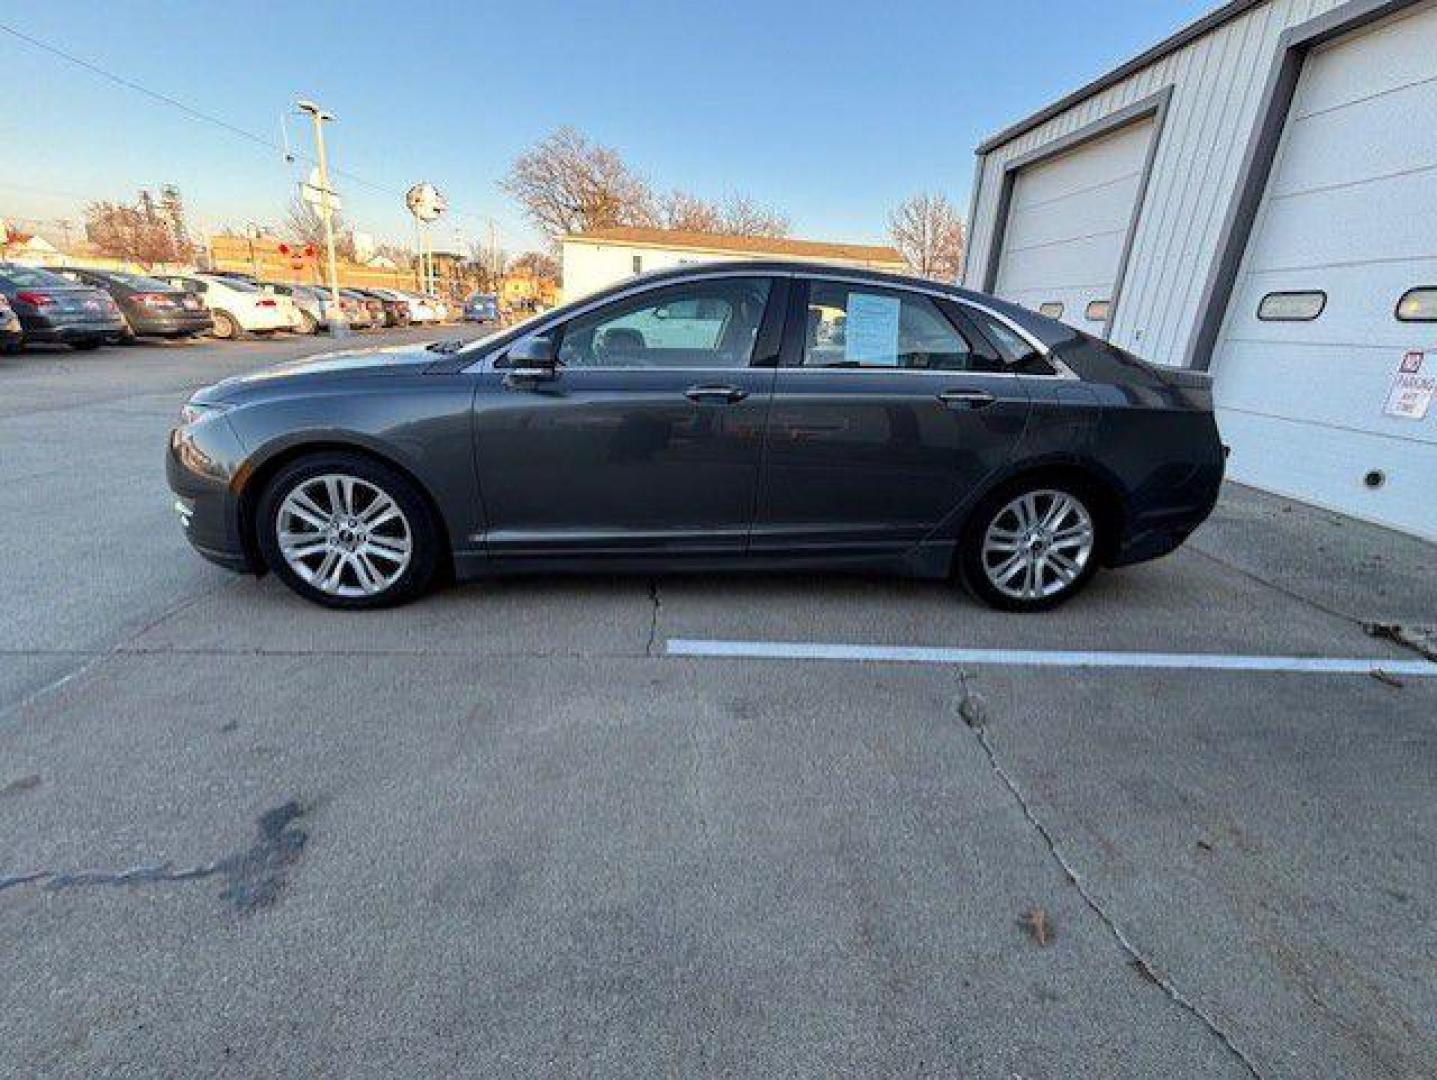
(394, 360)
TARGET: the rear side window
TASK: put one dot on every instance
(1017, 351)
(862, 326)
(1053, 309)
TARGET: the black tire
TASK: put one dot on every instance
(87, 344)
(226, 326)
(977, 570)
(423, 530)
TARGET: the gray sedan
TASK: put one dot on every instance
(738, 415)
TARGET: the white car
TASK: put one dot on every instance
(421, 308)
(239, 306)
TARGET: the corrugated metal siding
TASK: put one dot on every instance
(1218, 82)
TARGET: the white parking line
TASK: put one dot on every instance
(917, 654)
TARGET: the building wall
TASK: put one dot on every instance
(1217, 83)
(589, 267)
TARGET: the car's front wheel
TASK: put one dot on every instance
(1031, 546)
(347, 532)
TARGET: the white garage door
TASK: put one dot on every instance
(1068, 222)
(1348, 225)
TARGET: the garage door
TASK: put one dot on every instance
(1309, 366)
(1068, 223)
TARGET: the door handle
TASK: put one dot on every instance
(966, 399)
(715, 395)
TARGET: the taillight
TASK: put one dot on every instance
(154, 299)
(35, 299)
(265, 303)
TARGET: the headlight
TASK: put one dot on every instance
(197, 410)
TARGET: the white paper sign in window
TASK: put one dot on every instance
(871, 330)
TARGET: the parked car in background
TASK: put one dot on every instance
(313, 304)
(11, 333)
(396, 311)
(150, 307)
(413, 309)
(422, 309)
(237, 306)
(55, 309)
(482, 308)
(373, 306)
(697, 417)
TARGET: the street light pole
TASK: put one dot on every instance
(326, 207)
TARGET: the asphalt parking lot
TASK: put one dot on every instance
(555, 827)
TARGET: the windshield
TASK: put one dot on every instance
(237, 284)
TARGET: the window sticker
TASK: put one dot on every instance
(871, 330)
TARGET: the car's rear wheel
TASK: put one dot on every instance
(348, 532)
(1031, 546)
(87, 344)
(226, 328)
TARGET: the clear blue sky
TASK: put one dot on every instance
(831, 112)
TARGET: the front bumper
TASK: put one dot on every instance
(201, 463)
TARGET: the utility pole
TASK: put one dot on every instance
(326, 205)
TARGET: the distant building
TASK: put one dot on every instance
(597, 259)
(1255, 197)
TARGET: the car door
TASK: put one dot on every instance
(647, 439)
(889, 412)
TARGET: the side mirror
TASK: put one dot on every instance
(533, 357)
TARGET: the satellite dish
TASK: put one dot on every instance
(425, 202)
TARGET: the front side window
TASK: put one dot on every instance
(861, 326)
(705, 324)
(1053, 309)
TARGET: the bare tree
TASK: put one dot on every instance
(568, 184)
(738, 215)
(537, 264)
(304, 225)
(741, 216)
(136, 233)
(680, 210)
(928, 232)
(487, 263)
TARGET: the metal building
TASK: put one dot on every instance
(1256, 196)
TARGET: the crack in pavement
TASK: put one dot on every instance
(253, 877)
(974, 712)
(658, 604)
(95, 657)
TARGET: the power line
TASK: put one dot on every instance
(209, 118)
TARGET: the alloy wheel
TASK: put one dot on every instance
(344, 535)
(1038, 545)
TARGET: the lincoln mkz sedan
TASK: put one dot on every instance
(739, 415)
